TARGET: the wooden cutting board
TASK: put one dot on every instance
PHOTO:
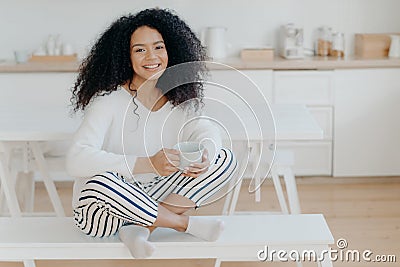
(69, 58)
(265, 54)
(372, 45)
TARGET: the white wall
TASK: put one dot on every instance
(26, 23)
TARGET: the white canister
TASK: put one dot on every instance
(51, 45)
(337, 49)
(394, 50)
(214, 39)
(68, 49)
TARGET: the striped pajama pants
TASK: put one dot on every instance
(108, 201)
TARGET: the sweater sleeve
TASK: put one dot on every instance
(201, 129)
(86, 156)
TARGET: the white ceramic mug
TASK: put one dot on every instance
(190, 152)
(21, 56)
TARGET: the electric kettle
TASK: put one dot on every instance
(214, 39)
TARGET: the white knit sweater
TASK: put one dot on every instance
(112, 136)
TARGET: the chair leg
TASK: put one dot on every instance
(235, 198)
(291, 189)
(228, 198)
(257, 180)
(244, 153)
(279, 191)
(256, 155)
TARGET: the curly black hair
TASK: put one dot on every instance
(108, 64)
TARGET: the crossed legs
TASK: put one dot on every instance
(108, 205)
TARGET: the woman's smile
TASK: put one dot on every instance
(152, 67)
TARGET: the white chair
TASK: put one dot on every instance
(282, 166)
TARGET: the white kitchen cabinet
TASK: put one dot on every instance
(367, 124)
(315, 90)
(35, 90)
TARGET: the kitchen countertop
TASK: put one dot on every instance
(308, 63)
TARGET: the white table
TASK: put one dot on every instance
(293, 122)
(29, 128)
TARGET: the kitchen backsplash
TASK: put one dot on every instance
(251, 23)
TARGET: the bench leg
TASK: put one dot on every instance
(29, 263)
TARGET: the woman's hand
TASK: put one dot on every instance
(196, 169)
(165, 161)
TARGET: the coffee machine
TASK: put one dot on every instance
(291, 42)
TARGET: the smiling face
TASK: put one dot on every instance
(148, 54)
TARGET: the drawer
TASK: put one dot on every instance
(230, 86)
(303, 87)
(324, 118)
(310, 158)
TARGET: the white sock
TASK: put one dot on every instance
(135, 238)
(205, 228)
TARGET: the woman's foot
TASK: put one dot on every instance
(205, 228)
(135, 237)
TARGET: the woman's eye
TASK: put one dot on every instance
(160, 47)
(139, 50)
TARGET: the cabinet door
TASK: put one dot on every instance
(324, 118)
(367, 124)
(303, 87)
(310, 157)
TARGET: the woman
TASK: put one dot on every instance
(111, 146)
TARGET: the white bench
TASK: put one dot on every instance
(50, 238)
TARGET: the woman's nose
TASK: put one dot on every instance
(150, 54)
